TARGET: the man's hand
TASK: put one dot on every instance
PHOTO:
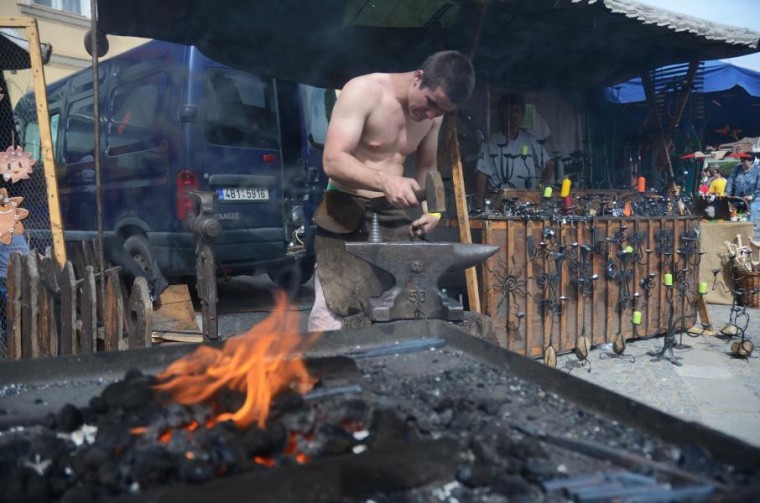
(400, 191)
(748, 200)
(424, 225)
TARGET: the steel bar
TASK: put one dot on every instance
(397, 348)
(335, 391)
(618, 456)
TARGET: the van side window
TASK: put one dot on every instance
(238, 109)
(32, 140)
(54, 120)
(79, 142)
(33, 143)
(133, 126)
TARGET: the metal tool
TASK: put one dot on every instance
(416, 267)
(206, 228)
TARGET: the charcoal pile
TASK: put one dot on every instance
(418, 423)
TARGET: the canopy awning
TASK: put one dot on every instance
(717, 76)
(574, 44)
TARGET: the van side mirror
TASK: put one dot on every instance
(188, 113)
(101, 43)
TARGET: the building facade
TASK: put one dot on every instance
(63, 24)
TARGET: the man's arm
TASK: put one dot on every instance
(756, 188)
(547, 170)
(481, 181)
(354, 105)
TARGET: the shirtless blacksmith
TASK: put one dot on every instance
(378, 120)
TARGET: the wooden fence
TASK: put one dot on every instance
(535, 301)
(53, 311)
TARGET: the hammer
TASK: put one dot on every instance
(433, 192)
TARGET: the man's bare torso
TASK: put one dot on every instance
(389, 134)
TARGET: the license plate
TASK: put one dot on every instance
(243, 194)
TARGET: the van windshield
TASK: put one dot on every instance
(238, 109)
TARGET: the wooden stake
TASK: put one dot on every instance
(463, 217)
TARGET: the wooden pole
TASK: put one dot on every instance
(40, 96)
(463, 217)
(96, 144)
(666, 134)
(649, 92)
(457, 175)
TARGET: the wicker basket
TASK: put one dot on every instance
(749, 282)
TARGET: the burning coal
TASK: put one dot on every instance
(383, 422)
(261, 363)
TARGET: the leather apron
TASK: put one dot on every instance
(348, 281)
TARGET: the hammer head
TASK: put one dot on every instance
(433, 192)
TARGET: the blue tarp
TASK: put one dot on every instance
(718, 76)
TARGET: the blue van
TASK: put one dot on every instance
(174, 121)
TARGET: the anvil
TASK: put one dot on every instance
(417, 267)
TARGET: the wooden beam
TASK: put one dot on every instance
(649, 92)
(666, 134)
(460, 200)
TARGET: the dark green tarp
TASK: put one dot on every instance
(572, 44)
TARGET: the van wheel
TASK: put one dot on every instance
(139, 249)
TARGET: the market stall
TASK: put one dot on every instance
(714, 268)
(599, 273)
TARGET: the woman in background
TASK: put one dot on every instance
(718, 184)
(708, 175)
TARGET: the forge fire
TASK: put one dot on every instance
(260, 365)
(415, 410)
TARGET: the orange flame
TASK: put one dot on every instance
(260, 363)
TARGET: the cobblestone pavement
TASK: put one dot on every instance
(711, 387)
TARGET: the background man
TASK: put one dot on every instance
(378, 120)
(512, 157)
(745, 183)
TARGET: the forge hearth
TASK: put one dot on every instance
(408, 411)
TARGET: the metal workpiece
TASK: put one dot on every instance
(416, 268)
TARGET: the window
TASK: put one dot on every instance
(54, 129)
(79, 138)
(32, 142)
(238, 109)
(133, 126)
(81, 7)
(317, 101)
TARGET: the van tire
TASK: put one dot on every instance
(139, 249)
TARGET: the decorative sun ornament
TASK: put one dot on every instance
(15, 164)
(11, 215)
